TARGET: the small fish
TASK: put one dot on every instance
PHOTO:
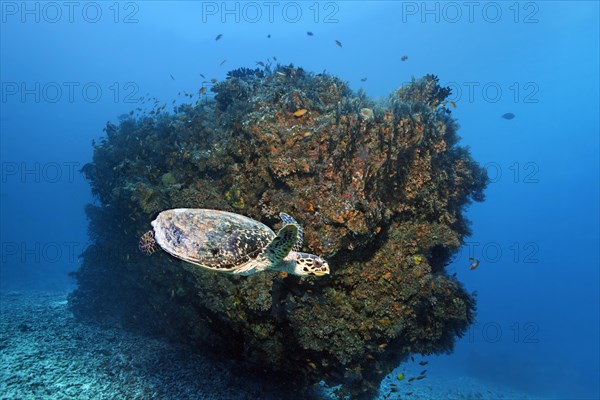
(474, 264)
(412, 379)
(274, 58)
(508, 116)
(403, 58)
(400, 376)
(453, 104)
(338, 43)
(423, 362)
(363, 80)
(269, 36)
(409, 393)
(423, 372)
(412, 359)
(203, 77)
(202, 90)
(219, 36)
(309, 33)
(171, 75)
(300, 112)
(312, 365)
(382, 345)
(222, 62)
(393, 389)
(421, 377)
(262, 64)
(213, 80)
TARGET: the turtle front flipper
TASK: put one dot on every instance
(282, 244)
(289, 220)
(274, 253)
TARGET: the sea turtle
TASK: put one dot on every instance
(228, 242)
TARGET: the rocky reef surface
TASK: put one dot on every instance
(46, 353)
(380, 189)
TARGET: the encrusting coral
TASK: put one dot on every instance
(380, 190)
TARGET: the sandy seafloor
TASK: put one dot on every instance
(45, 353)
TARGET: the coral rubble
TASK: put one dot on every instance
(380, 190)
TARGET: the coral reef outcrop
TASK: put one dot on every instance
(380, 189)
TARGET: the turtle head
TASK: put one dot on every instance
(309, 264)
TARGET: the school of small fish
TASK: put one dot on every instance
(401, 376)
(311, 34)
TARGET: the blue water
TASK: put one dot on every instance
(66, 71)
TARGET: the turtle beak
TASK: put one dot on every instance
(322, 270)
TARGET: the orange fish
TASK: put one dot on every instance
(300, 112)
(474, 264)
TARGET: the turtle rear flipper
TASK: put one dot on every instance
(147, 244)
